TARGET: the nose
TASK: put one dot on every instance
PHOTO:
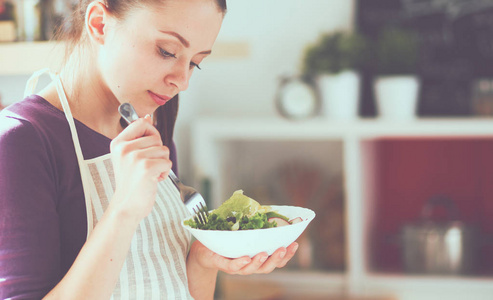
(179, 75)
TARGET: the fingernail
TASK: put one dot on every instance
(148, 116)
(281, 255)
(246, 261)
(295, 247)
(263, 259)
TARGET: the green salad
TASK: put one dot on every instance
(240, 212)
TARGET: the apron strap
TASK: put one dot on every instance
(32, 82)
(84, 171)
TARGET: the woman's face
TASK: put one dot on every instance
(149, 56)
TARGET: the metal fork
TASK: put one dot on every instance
(194, 202)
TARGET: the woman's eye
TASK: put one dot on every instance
(165, 53)
(194, 65)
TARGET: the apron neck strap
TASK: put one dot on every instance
(32, 82)
(84, 170)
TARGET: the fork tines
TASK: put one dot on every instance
(201, 213)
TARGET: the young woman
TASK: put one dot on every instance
(86, 211)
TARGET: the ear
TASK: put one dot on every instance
(96, 20)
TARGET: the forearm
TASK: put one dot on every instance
(201, 281)
(96, 269)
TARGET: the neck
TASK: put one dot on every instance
(91, 102)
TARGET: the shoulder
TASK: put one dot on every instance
(34, 138)
(32, 113)
(27, 124)
(24, 147)
(16, 131)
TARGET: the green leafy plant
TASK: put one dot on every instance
(396, 52)
(335, 52)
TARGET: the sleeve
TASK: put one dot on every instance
(29, 224)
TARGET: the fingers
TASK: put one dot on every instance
(139, 147)
(150, 152)
(145, 142)
(141, 127)
(260, 263)
(229, 265)
(156, 167)
(286, 256)
(209, 259)
(264, 264)
(255, 264)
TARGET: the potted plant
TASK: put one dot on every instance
(334, 61)
(397, 84)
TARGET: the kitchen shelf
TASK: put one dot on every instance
(362, 128)
(360, 141)
(296, 284)
(429, 287)
(23, 58)
(325, 285)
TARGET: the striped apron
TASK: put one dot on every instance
(155, 267)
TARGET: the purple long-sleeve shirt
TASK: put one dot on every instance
(43, 222)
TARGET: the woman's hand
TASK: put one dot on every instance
(203, 265)
(259, 264)
(140, 161)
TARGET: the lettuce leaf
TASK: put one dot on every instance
(215, 222)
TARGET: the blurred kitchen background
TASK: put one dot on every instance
(376, 114)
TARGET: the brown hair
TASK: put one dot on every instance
(71, 31)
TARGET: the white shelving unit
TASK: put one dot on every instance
(209, 135)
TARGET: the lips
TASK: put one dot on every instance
(159, 99)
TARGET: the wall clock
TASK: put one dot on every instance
(297, 98)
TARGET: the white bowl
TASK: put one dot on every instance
(234, 244)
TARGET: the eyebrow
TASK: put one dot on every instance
(183, 40)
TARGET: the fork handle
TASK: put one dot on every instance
(176, 181)
(128, 112)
